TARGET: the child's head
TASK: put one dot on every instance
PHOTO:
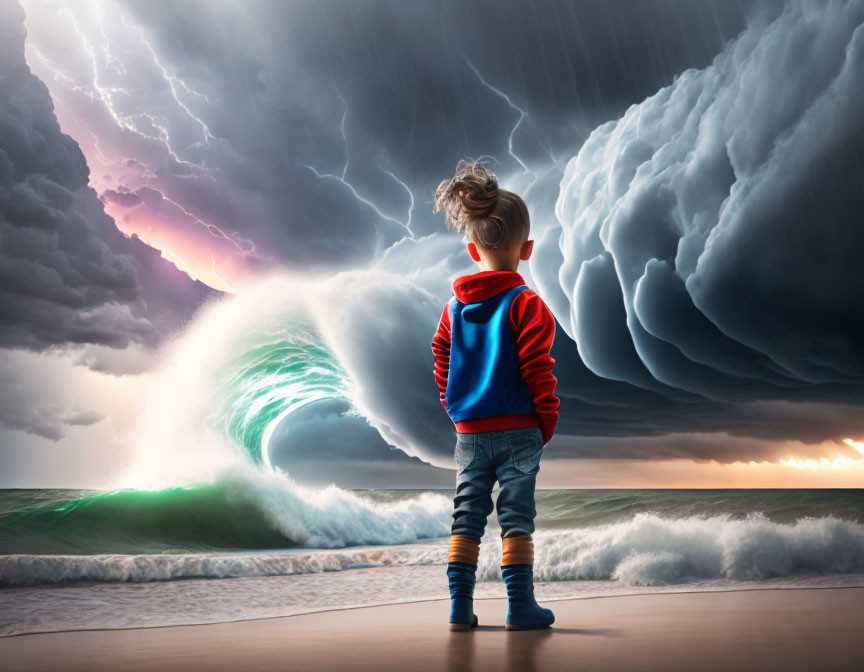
(495, 220)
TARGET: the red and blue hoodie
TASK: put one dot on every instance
(492, 349)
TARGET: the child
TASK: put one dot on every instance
(494, 372)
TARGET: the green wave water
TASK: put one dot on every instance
(198, 518)
(277, 371)
(240, 514)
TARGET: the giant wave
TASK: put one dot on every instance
(244, 509)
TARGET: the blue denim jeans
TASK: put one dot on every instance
(510, 456)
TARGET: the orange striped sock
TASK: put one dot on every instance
(517, 550)
(463, 549)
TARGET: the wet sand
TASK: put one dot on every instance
(815, 629)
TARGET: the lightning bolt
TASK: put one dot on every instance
(522, 115)
(173, 82)
(110, 61)
(99, 154)
(215, 274)
(410, 196)
(60, 75)
(115, 51)
(365, 201)
(94, 90)
(56, 70)
(212, 229)
(554, 159)
(106, 95)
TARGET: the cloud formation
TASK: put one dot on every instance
(67, 274)
(698, 249)
(272, 128)
(706, 248)
(30, 403)
(702, 261)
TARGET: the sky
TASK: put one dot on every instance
(176, 177)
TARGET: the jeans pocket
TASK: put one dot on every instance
(526, 448)
(464, 453)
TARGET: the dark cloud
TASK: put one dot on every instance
(67, 274)
(124, 197)
(282, 122)
(702, 264)
(694, 184)
(707, 242)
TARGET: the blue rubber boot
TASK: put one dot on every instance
(462, 576)
(523, 612)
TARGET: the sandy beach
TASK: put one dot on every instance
(742, 630)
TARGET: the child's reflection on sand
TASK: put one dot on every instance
(521, 648)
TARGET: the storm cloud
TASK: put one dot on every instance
(67, 274)
(703, 260)
(693, 172)
(707, 242)
(310, 134)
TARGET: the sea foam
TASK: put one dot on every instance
(651, 550)
(647, 550)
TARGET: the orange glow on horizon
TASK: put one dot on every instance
(839, 462)
(689, 474)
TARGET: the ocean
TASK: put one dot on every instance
(258, 545)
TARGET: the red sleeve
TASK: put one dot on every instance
(534, 325)
(441, 351)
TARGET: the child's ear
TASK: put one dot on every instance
(472, 250)
(527, 248)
